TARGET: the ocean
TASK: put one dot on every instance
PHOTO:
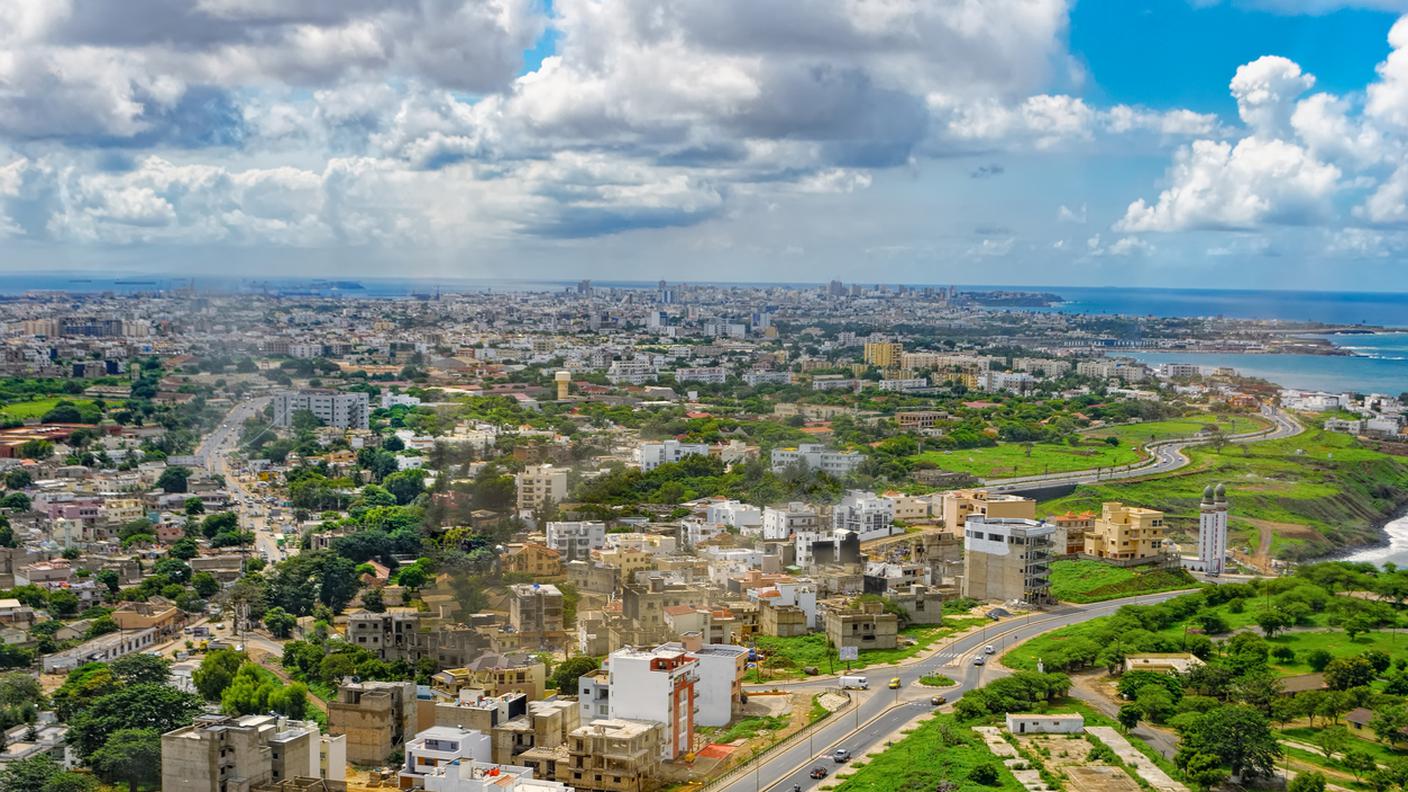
(1379, 365)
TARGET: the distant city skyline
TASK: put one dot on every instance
(1163, 143)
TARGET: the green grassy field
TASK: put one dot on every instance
(1025, 655)
(912, 762)
(1337, 644)
(1314, 493)
(1011, 460)
(786, 657)
(1091, 581)
(35, 408)
(936, 680)
(1188, 426)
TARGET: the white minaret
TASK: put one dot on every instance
(1212, 530)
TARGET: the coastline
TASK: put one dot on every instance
(1392, 547)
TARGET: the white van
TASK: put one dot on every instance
(855, 682)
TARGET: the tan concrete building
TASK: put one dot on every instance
(540, 733)
(158, 614)
(613, 756)
(1076, 525)
(533, 559)
(956, 506)
(495, 674)
(540, 484)
(218, 753)
(1007, 559)
(863, 624)
(1125, 533)
(376, 717)
(535, 612)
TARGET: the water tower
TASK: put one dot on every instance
(563, 379)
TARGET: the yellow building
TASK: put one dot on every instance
(955, 507)
(883, 354)
(1123, 533)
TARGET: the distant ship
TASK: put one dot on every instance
(342, 284)
(135, 282)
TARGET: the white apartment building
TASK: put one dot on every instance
(709, 375)
(755, 378)
(652, 455)
(443, 746)
(720, 687)
(649, 685)
(630, 372)
(790, 593)
(472, 776)
(864, 513)
(576, 540)
(782, 522)
(540, 484)
(902, 385)
(734, 514)
(1007, 381)
(817, 457)
(333, 408)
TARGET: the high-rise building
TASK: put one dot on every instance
(1007, 558)
(539, 484)
(883, 354)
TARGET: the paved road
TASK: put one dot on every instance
(253, 510)
(1166, 456)
(882, 711)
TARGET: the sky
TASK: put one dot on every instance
(1217, 143)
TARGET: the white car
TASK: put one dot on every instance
(988, 649)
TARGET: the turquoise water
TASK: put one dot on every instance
(1379, 366)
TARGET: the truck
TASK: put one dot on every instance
(854, 682)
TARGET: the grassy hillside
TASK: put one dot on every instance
(1305, 496)
(1093, 581)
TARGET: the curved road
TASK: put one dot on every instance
(1167, 456)
(880, 711)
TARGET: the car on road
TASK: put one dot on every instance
(937, 701)
(988, 649)
(840, 756)
(979, 660)
(895, 683)
(818, 772)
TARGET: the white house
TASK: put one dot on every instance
(1044, 724)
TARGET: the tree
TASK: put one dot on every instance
(1344, 673)
(1204, 770)
(131, 756)
(215, 672)
(62, 603)
(18, 688)
(70, 782)
(1332, 740)
(280, 622)
(27, 775)
(173, 569)
(1307, 782)
(18, 478)
(194, 506)
(1389, 722)
(173, 479)
(144, 706)
(1359, 761)
(565, 676)
(1239, 736)
(373, 602)
(1317, 659)
(1130, 715)
(985, 774)
(205, 584)
(141, 669)
(405, 485)
(1272, 622)
(184, 548)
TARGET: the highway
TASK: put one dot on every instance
(1166, 456)
(882, 711)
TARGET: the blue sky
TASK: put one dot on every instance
(1246, 143)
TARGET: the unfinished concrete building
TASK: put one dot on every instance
(613, 756)
(376, 717)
